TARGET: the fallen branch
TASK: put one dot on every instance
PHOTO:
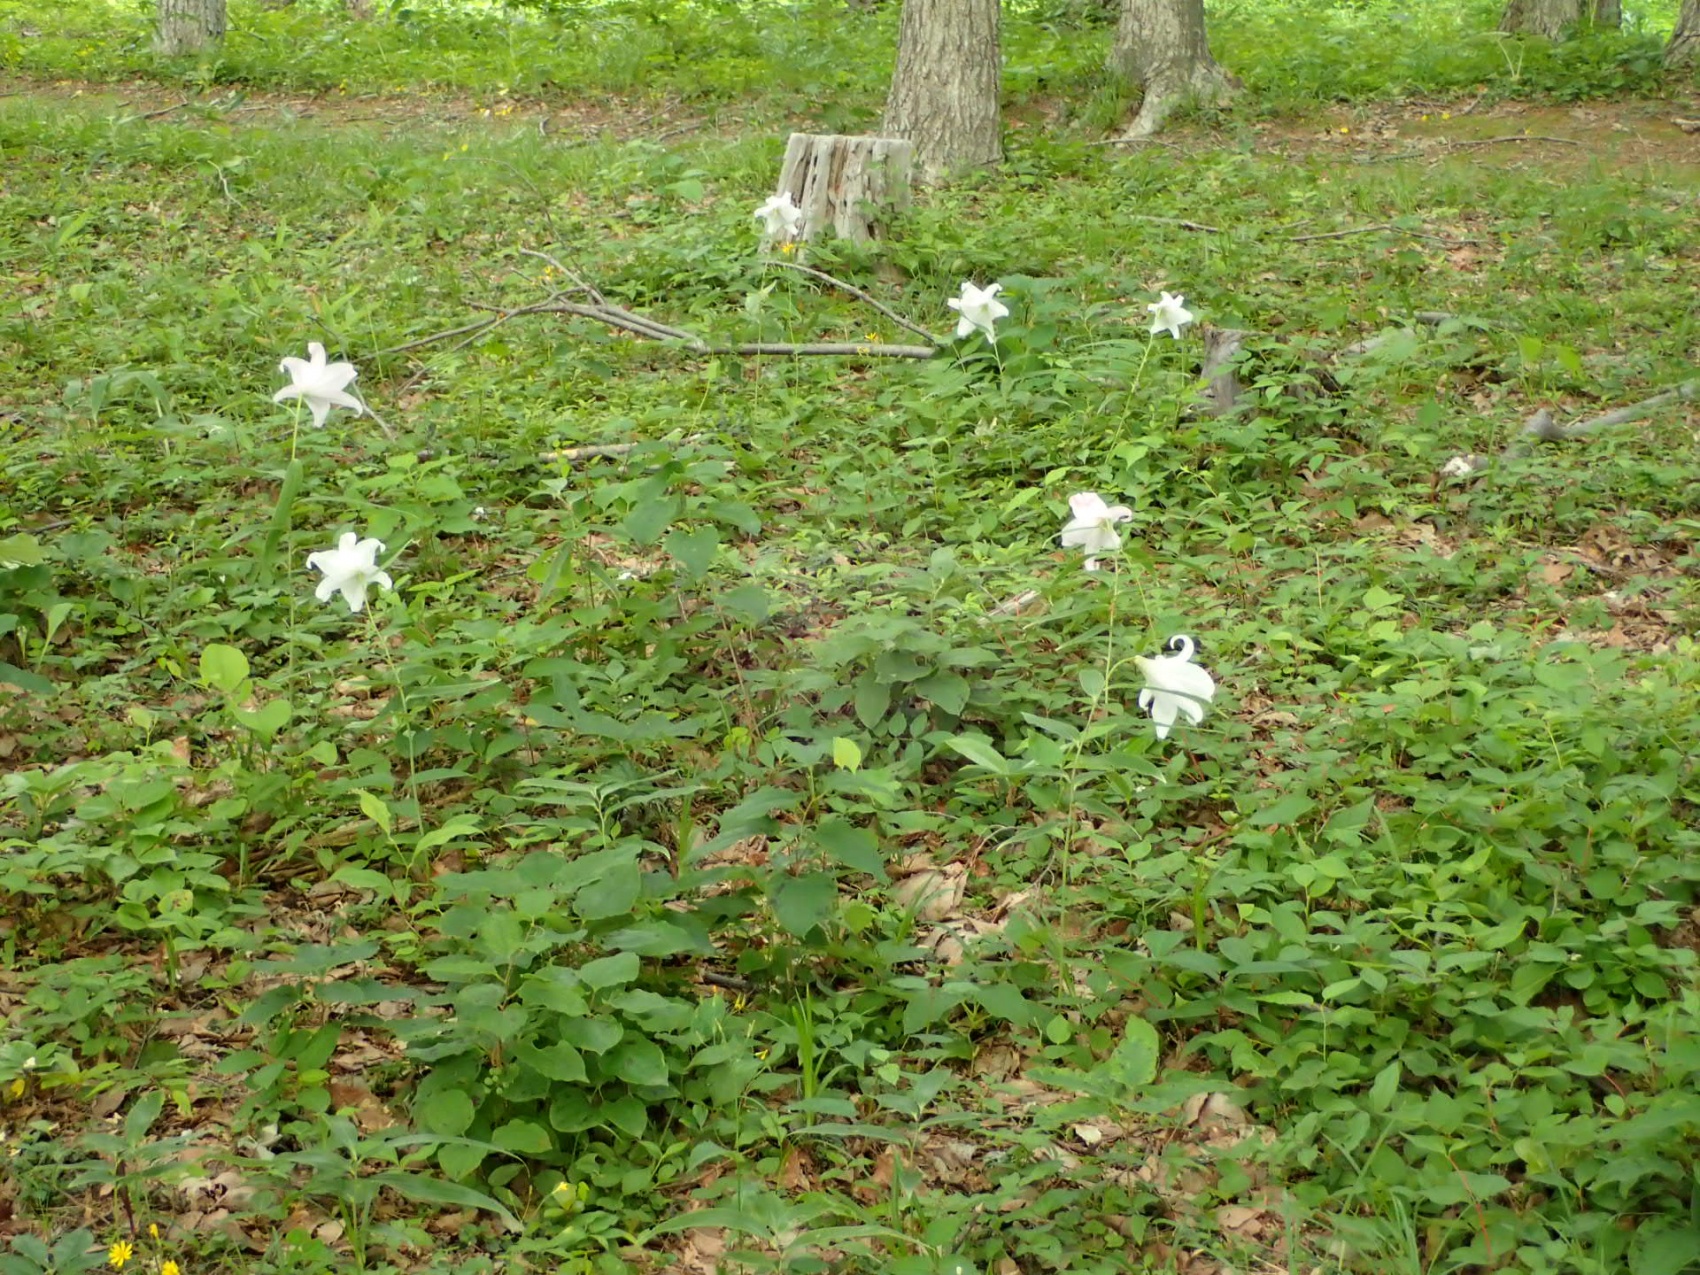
(1622, 416)
(1182, 222)
(1543, 428)
(1340, 234)
(1385, 225)
(856, 292)
(1015, 605)
(594, 306)
(1516, 137)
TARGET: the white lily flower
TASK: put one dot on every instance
(979, 308)
(319, 384)
(350, 569)
(1174, 685)
(1169, 314)
(780, 217)
(1093, 526)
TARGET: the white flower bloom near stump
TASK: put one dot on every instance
(853, 184)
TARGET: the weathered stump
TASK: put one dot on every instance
(852, 184)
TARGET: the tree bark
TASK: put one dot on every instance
(945, 90)
(189, 26)
(1608, 13)
(1549, 18)
(1684, 47)
(1161, 47)
(853, 184)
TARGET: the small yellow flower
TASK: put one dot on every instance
(787, 248)
(153, 1230)
(1446, 115)
(16, 1088)
(169, 1267)
(118, 1254)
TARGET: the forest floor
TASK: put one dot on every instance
(740, 845)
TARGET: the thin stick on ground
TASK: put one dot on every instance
(600, 310)
(856, 292)
(1516, 137)
(1543, 427)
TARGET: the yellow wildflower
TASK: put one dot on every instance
(169, 1267)
(153, 1230)
(16, 1088)
(119, 1253)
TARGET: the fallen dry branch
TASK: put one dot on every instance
(583, 300)
(1182, 222)
(1381, 225)
(1687, 391)
(1515, 137)
(1543, 428)
(856, 292)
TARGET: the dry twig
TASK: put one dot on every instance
(599, 309)
(856, 292)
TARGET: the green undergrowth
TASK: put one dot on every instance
(571, 906)
(822, 61)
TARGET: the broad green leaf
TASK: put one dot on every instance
(423, 1190)
(142, 1116)
(846, 754)
(748, 602)
(33, 683)
(609, 971)
(693, 550)
(223, 667)
(374, 809)
(1386, 1086)
(461, 1159)
(873, 699)
(1133, 1062)
(628, 1114)
(526, 1137)
(1667, 1252)
(593, 1035)
(267, 720)
(1005, 1001)
(20, 551)
(615, 893)
(559, 1062)
(979, 750)
(855, 848)
(803, 903)
(637, 1061)
(647, 520)
(946, 690)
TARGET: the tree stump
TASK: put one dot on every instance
(852, 184)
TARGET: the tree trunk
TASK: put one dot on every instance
(944, 92)
(1684, 48)
(1608, 13)
(188, 26)
(853, 184)
(1161, 47)
(1550, 18)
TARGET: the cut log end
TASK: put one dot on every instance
(853, 184)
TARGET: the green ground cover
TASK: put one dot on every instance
(694, 857)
